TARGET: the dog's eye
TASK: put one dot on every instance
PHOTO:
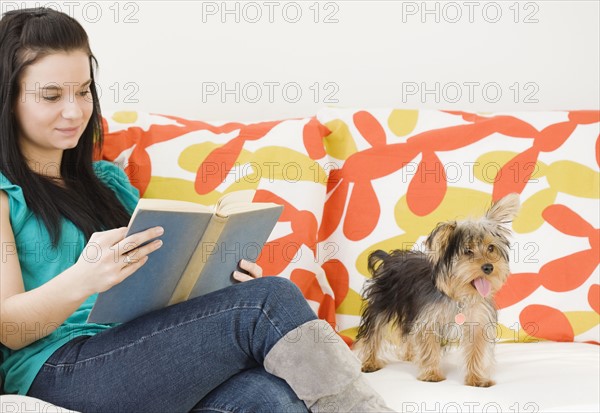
(469, 252)
(491, 248)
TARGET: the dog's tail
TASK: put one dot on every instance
(370, 310)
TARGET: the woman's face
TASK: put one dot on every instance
(54, 105)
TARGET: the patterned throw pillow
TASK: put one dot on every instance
(397, 173)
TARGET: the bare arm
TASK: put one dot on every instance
(27, 316)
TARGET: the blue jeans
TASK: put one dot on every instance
(205, 354)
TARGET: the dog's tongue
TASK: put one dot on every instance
(483, 286)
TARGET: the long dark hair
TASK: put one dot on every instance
(27, 35)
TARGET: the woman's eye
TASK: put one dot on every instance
(84, 93)
(52, 98)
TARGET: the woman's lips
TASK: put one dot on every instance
(68, 131)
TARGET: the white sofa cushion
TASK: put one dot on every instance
(530, 377)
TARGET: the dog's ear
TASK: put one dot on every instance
(504, 210)
(438, 240)
(376, 259)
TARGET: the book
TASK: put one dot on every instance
(202, 247)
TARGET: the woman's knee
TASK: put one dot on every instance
(281, 286)
(284, 293)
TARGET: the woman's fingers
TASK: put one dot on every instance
(141, 253)
(111, 236)
(129, 269)
(135, 240)
(240, 276)
(253, 268)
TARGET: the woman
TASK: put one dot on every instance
(255, 346)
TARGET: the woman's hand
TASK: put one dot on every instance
(253, 268)
(109, 257)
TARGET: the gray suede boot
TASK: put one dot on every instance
(322, 371)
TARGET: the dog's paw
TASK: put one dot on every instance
(479, 381)
(370, 367)
(431, 376)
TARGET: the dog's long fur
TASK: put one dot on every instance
(413, 297)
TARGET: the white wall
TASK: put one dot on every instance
(176, 57)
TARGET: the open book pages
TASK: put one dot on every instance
(228, 204)
(239, 201)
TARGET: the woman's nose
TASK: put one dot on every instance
(72, 108)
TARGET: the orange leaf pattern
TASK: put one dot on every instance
(450, 166)
(352, 181)
(546, 323)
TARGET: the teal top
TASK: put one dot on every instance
(40, 262)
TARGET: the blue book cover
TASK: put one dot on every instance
(201, 248)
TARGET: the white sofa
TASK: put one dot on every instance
(558, 373)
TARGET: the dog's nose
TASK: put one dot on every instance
(487, 268)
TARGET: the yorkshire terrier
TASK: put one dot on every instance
(423, 301)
